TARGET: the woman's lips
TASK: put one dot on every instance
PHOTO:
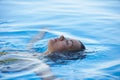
(53, 40)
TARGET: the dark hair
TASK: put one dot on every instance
(61, 56)
(82, 45)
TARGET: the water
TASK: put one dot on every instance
(95, 23)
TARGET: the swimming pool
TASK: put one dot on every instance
(95, 23)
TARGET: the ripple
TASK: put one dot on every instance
(20, 64)
(95, 23)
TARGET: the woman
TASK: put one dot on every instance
(64, 44)
(58, 49)
(64, 49)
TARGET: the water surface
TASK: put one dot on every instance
(95, 23)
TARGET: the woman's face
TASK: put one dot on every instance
(63, 44)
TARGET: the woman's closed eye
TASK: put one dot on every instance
(69, 43)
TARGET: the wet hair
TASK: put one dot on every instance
(67, 55)
(82, 46)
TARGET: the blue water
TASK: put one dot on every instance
(95, 22)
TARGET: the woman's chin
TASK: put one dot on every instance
(50, 42)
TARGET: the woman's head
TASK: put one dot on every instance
(63, 44)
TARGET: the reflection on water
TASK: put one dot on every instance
(13, 65)
(95, 23)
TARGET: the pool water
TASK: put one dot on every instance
(95, 22)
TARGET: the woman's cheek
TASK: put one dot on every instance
(63, 47)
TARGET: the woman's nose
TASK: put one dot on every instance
(61, 38)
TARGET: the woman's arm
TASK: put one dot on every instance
(36, 38)
(45, 73)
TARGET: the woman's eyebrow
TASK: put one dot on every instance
(67, 41)
(72, 42)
